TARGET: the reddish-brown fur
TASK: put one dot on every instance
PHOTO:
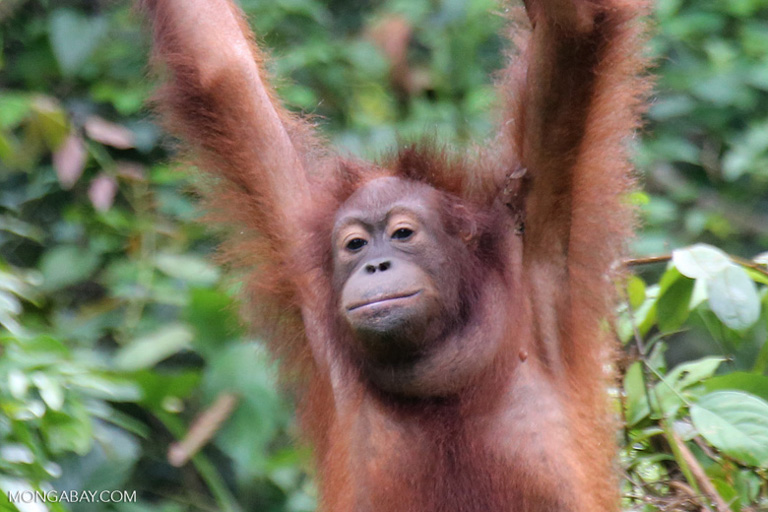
(530, 433)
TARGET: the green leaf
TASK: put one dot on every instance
(65, 265)
(751, 383)
(735, 423)
(693, 372)
(149, 350)
(670, 392)
(637, 400)
(733, 298)
(50, 122)
(213, 315)
(70, 431)
(645, 315)
(107, 387)
(156, 386)
(673, 306)
(50, 390)
(756, 276)
(745, 151)
(635, 291)
(107, 466)
(74, 37)
(188, 268)
(700, 261)
(14, 107)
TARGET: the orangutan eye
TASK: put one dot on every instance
(356, 244)
(402, 234)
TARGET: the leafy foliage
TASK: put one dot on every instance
(124, 365)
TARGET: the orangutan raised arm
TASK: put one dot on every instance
(217, 100)
(578, 102)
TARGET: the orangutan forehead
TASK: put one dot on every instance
(378, 200)
(377, 197)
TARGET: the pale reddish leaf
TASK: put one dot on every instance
(108, 133)
(131, 171)
(69, 160)
(102, 192)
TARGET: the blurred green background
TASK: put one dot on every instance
(123, 364)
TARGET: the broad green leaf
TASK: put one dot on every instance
(74, 37)
(68, 431)
(149, 350)
(756, 276)
(693, 372)
(9, 304)
(733, 298)
(745, 150)
(751, 383)
(699, 295)
(110, 388)
(156, 387)
(18, 384)
(65, 265)
(14, 107)
(672, 308)
(637, 401)
(50, 390)
(645, 315)
(700, 261)
(213, 316)
(17, 453)
(735, 423)
(187, 268)
(20, 228)
(670, 392)
(635, 291)
(50, 121)
(107, 466)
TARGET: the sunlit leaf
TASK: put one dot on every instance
(14, 107)
(149, 350)
(635, 291)
(733, 298)
(735, 423)
(50, 390)
(700, 261)
(187, 268)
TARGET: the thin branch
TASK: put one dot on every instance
(664, 258)
(636, 262)
(202, 430)
(698, 472)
